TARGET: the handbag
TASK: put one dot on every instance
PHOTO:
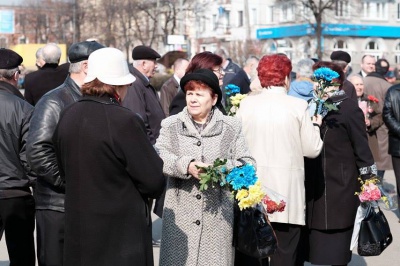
(253, 233)
(375, 235)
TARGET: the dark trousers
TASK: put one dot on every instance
(396, 169)
(244, 260)
(288, 236)
(50, 237)
(17, 220)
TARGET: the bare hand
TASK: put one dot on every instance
(192, 169)
(317, 119)
(367, 122)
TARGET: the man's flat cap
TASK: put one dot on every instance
(9, 59)
(144, 52)
(80, 51)
(341, 56)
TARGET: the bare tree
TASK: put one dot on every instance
(317, 8)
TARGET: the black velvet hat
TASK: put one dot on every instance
(80, 51)
(341, 56)
(9, 59)
(144, 52)
(206, 76)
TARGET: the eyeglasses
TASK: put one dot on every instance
(219, 70)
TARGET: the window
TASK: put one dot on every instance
(398, 11)
(287, 12)
(240, 18)
(271, 13)
(214, 21)
(373, 47)
(397, 53)
(254, 16)
(340, 44)
(375, 11)
(342, 8)
(227, 18)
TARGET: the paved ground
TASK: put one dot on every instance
(391, 256)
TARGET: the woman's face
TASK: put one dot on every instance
(199, 103)
(219, 72)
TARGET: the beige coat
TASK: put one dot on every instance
(279, 133)
(197, 226)
(377, 86)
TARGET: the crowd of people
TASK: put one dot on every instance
(92, 148)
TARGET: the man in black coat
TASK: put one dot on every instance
(48, 77)
(391, 117)
(50, 189)
(142, 98)
(243, 78)
(17, 206)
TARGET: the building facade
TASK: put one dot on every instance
(358, 27)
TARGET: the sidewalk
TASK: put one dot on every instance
(391, 256)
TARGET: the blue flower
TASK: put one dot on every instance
(325, 73)
(231, 89)
(242, 177)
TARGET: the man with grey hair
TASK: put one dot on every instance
(50, 189)
(245, 76)
(303, 86)
(141, 97)
(48, 77)
(39, 58)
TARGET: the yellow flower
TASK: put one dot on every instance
(249, 198)
(235, 100)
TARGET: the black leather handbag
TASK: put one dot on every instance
(375, 235)
(253, 233)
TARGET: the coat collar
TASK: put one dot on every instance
(275, 90)
(139, 75)
(187, 128)
(105, 99)
(5, 86)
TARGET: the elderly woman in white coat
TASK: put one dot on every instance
(280, 133)
(198, 225)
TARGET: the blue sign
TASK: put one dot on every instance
(7, 21)
(330, 29)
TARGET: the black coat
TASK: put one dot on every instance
(110, 170)
(50, 188)
(242, 81)
(391, 117)
(15, 115)
(332, 178)
(143, 99)
(39, 82)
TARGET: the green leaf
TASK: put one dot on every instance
(330, 106)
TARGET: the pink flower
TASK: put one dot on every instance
(369, 192)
